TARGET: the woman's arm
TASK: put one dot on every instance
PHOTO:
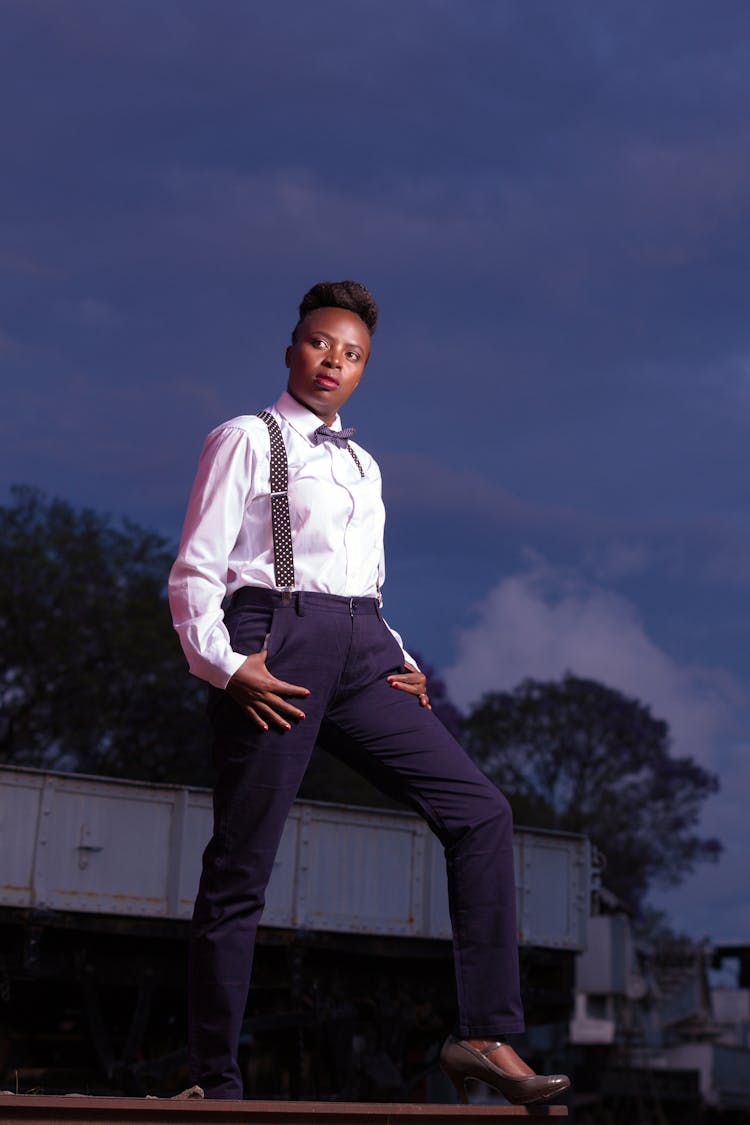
(197, 581)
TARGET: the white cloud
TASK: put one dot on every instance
(545, 622)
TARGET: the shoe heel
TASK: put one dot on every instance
(459, 1085)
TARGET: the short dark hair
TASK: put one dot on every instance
(340, 295)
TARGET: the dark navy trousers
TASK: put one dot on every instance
(341, 650)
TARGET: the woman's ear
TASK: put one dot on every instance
(288, 356)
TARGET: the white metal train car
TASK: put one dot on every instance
(352, 985)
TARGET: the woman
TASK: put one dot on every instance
(303, 649)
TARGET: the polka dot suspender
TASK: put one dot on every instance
(357, 461)
(281, 528)
(283, 556)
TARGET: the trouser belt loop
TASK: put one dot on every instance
(300, 603)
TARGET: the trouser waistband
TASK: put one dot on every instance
(302, 599)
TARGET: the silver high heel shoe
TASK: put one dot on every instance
(459, 1061)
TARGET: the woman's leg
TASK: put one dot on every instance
(258, 775)
(412, 754)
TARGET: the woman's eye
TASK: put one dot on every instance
(318, 343)
(352, 356)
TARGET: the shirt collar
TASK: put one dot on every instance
(299, 417)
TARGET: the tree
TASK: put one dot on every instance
(92, 677)
(579, 756)
(91, 673)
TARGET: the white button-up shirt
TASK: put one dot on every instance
(337, 519)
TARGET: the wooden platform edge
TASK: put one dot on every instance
(42, 1109)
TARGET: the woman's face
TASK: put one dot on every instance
(326, 360)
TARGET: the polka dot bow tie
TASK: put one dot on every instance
(338, 437)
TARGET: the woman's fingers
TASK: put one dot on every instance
(282, 688)
(268, 707)
(412, 681)
(261, 695)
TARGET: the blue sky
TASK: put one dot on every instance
(550, 203)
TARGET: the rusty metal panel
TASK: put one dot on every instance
(105, 847)
(20, 805)
(360, 872)
(553, 876)
(71, 842)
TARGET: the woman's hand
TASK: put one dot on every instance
(261, 695)
(413, 681)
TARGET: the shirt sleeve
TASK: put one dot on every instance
(198, 580)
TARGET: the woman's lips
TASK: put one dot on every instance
(327, 382)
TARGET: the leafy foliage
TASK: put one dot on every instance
(579, 756)
(92, 677)
(91, 673)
